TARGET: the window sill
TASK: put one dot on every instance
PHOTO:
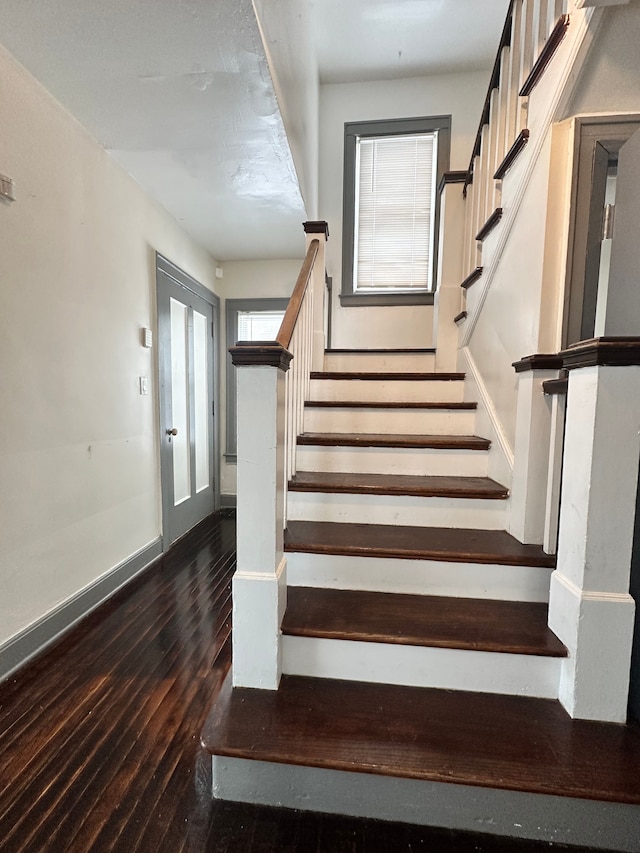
(372, 299)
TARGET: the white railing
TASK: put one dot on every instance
(532, 32)
(273, 381)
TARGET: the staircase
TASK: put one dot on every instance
(419, 672)
(399, 568)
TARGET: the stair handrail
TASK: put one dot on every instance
(287, 327)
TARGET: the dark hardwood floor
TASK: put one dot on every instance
(100, 736)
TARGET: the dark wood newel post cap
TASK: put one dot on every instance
(613, 351)
(265, 353)
(317, 227)
(538, 361)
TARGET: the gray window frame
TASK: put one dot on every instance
(232, 308)
(387, 127)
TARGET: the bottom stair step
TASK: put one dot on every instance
(507, 765)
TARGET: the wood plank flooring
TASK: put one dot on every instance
(99, 736)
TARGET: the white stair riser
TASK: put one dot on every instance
(381, 362)
(418, 666)
(400, 510)
(368, 390)
(425, 461)
(410, 421)
(419, 577)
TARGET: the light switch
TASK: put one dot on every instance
(147, 338)
(144, 385)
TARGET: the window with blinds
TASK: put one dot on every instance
(394, 218)
(259, 325)
(391, 209)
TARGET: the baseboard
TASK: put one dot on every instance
(34, 639)
(228, 501)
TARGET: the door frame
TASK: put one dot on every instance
(593, 136)
(185, 281)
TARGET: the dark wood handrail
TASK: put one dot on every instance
(295, 303)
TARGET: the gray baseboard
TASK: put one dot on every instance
(228, 501)
(34, 639)
(514, 814)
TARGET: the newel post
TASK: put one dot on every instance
(448, 298)
(318, 231)
(590, 608)
(260, 581)
(531, 451)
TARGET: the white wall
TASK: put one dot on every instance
(79, 457)
(248, 280)
(461, 96)
(287, 33)
(610, 79)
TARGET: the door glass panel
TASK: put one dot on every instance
(180, 402)
(200, 399)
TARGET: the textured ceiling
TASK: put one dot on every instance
(179, 92)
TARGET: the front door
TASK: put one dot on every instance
(186, 313)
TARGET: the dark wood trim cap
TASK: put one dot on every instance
(546, 55)
(538, 361)
(317, 227)
(472, 278)
(555, 387)
(511, 155)
(451, 178)
(252, 353)
(489, 225)
(605, 351)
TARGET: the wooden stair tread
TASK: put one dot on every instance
(387, 375)
(398, 484)
(356, 404)
(384, 350)
(513, 627)
(508, 742)
(413, 543)
(356, 439)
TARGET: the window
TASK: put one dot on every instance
(390, 218)
(247, 320)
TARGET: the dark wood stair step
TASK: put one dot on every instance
(506, 742)
(355, 404)
(387, 376)
(383, 350)
(456, 545)
(398, 484)
(512, 627)
(357, 439)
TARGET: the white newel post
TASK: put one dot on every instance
(590, 607)
(318, 231)
(260, 581)
(448, 299)
(531, 452)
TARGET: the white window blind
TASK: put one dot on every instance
(394, 227)
(259, 325)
